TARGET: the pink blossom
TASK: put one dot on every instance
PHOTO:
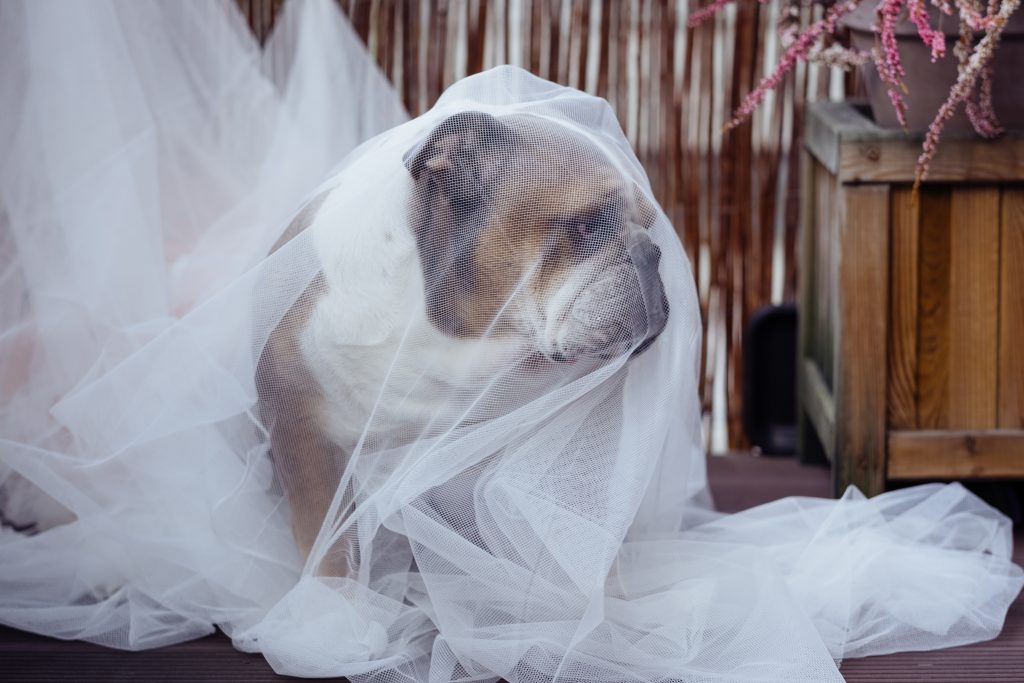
(799, 49)
(887, 60)
(973, 65)
(935, 40)
(975, 19)
(973, 86)
(702, 15)
(980, 110)
(979, 102)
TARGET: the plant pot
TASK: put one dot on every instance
(928, 83)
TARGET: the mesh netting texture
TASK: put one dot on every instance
(427, 415)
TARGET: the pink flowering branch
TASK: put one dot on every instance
(973, 87)
(934, 39)
(974, 18)
(702, 15)
(971, 70)
(833, 54)
(799, 49)
(979, 108)
(887, 60)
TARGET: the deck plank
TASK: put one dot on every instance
(737, 482)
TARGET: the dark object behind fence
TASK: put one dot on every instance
(769, 379)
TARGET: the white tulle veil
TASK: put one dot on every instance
(193, 245)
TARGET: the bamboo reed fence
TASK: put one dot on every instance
(731, 196)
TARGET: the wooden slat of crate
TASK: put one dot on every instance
(856, 150)
(860, 387)
(806, 248)
(816, 416)
(818, 406)
(955, 454)
(957, 160)
(826, 228)
(1011, 312)
(933, 310)
(974, 307)
(903, 308)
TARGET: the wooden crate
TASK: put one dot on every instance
(911, 312)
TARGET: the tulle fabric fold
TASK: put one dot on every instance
(151, 154)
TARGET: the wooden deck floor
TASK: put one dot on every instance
(738, 482)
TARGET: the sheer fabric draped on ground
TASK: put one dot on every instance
(500, 513)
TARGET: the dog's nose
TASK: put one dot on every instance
(649, 253)
(642, 251)
(646, 256)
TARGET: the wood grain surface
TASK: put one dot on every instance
(946, 454)
(933, 310)
(856, 150)
(860, 387)
(974, 307)
(1011, 312)
(903, 291)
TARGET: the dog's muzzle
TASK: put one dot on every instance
(646, 256)
(625, 309)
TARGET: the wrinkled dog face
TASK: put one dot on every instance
(525, 228)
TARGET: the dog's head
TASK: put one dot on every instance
(524, 227)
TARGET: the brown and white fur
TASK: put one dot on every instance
(520, 239)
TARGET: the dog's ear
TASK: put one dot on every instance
(461, 157)
(454, 171)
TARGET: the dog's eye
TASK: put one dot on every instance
(591, 229)
(584, 228)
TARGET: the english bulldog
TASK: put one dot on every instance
(521, 239)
